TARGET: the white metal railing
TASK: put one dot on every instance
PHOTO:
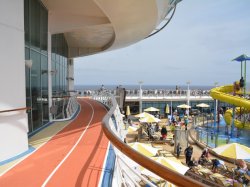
(196, 93)
(124, 173)
(65, 107)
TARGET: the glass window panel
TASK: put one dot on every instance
(26, 22)
(36, 89)
(44, 82)
(44, 29)
(35, 24)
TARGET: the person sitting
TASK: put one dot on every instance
(204, 156)
(192, 163)
(242, 167)
(216, 164)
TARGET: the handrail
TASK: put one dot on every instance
(17, 109)
(144, 161)
(158, 30)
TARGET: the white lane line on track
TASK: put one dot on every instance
(72, 149)
(33, 152)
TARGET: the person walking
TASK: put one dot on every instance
(164, 133)
(188, 153)
(186, 122)
(178, 150)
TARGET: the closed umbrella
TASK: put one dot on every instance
(128, 110)
(167, 109)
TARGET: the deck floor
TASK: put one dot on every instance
(66, 153)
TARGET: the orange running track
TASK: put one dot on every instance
(73, 157)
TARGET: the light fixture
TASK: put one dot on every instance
(28, 63)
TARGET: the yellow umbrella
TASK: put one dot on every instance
(184, 106)
(169, 162)
(151, 109)
(234, 151)
(203, 105)
(128, 110)
(143, 115)
(149, 119)
(167, 109)
(145, 149)
(132, 129)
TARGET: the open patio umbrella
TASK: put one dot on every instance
(203, 105)
(234, 151)
(149, 119)
(151, 109)
(132, 129)
(184, 106)
(143, 115)
(145, 149)
(128, 110)
(171, 163)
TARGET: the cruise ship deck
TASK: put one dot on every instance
(68, 153)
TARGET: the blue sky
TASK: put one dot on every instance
(197, 46)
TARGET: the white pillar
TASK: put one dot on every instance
(70, 75)
(188, 97)
(13, 125)
(140, 97)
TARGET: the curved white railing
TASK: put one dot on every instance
(124, 173)
(69, 108)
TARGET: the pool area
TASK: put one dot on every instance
(216, 135)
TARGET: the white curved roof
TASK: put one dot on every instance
(92, 26)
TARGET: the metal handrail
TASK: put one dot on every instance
(144, 161)
(17, 109)
(168, 19)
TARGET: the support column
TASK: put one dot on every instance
(49, 76)
(70, 75)
(13, 125)
(140, 97)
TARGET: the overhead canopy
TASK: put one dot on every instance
(151, 109)
(241, 58)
